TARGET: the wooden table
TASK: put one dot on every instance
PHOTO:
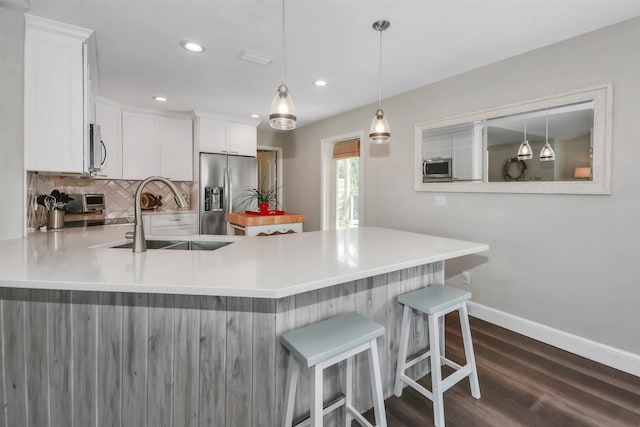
(244, 224)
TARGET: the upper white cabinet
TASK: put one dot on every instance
(140, 145)
(176, 148)
(217, 134)
(57, 104)
(154, 144)
(109, 117)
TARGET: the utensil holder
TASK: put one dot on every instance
(55, 219)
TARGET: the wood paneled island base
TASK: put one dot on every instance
(94, 358)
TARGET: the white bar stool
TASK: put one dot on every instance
(324, 344)
(436, 301)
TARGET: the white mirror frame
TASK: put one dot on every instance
(602, 133)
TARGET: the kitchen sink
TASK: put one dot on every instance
(184, 245)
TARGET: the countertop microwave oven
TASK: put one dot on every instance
(86, 203)
(437, 169)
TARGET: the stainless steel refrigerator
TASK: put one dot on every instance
(223, 179)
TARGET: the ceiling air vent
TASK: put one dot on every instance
(255, 57)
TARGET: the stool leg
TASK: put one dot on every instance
(293, 371)
(316, 396)
(348, 392)
(402, 349)
(468, 351)
(436, 374)
(376, 385)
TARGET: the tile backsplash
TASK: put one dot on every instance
(118, 193)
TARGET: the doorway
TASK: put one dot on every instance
(269, 161)
(342, 168)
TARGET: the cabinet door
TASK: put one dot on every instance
(211, 136)
(243, 139)
(140, 145)
(176, 149)
(53, 103)
(109, 118)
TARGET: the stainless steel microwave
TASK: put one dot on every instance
(437, 168)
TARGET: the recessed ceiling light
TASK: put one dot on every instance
(160, 98)
(192, 46)
(320, 83)
(255, 116)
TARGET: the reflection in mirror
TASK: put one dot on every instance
(554, 144)
(569, 135)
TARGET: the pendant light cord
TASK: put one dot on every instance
(284, 46)
(380, 72)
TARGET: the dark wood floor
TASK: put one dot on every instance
(523, 383)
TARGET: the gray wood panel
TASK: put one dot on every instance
(239, 371)
(160, 361)
(134, 359)
(285, 321)
(186, 361)
(213, 343)
(36, 360)
(264, 362)
(85, 341)
(109, 363)
(13, 351)
(127, 359)
(60, 355)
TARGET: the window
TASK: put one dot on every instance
(341, 172)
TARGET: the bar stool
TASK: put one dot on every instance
(436, 301)
(324, 344)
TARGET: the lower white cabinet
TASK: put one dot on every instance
(267, 230)
(179, 223)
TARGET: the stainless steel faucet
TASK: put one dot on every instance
(139, 242)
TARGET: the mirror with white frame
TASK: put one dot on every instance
(555, 144)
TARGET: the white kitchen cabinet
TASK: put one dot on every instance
(140, 145)
(109, 117)
(178, 223)
(265, 230)
(176, 148)
(56, 96)
(215, 135)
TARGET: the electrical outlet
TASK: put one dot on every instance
(439, 201)
(466, 277)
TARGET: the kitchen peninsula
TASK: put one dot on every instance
(97, 333)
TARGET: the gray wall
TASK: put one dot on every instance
(569, 262)
(11, 119)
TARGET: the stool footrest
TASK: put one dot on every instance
(454, 378)
(417, 359)
(417, 387)
(330, 407)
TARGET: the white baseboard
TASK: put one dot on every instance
(601, 353)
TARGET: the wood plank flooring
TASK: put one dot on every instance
(523, 383)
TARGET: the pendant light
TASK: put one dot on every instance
(547, 154)
(525, 152)
(380, 132)
(282, 116)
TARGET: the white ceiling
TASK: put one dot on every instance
(139, 54)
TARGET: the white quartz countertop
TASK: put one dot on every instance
(261, 267)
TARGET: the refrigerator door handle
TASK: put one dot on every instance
(228, 195)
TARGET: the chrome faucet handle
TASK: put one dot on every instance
(128, 235)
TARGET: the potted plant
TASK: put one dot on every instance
(265, 198)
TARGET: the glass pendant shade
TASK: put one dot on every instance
(282, 115)
(380, 132)
(547, 154)
(525, 152)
